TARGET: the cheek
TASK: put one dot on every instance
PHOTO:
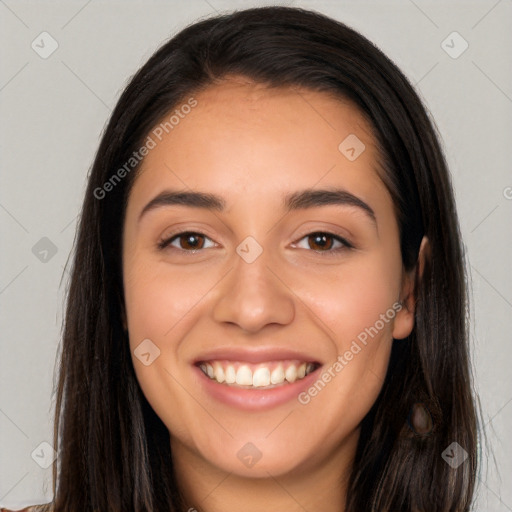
(354, 296)
(158, 309)
(157, 299)
(355, 303)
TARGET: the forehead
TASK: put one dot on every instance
(246, 140)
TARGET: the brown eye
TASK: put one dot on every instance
(191, 241)
(320, 241)
(188, 241)
(324, 242)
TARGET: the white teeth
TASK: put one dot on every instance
(261, 377)
(244, 376)
(219, 373)
(277, 375)
(230, 374)
(291, 373)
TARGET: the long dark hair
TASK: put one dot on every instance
(113, 451)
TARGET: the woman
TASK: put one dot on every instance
(267, 308)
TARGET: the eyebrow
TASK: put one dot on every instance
(299, 200)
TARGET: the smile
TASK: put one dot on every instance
(264, 375)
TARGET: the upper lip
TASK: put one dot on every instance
(255, 356)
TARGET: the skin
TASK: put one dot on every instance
(252, 145)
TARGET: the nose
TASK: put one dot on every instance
(253, 296)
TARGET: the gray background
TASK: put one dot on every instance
(53, 111)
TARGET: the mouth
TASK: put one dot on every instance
(255, 379)
(259, 376)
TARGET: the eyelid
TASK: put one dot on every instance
(338, 234)
(165, 241)
(334, 252)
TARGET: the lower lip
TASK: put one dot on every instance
(255, 399)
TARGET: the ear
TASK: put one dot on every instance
(404, 319)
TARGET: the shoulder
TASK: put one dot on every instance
(28, 509)
(35, 508)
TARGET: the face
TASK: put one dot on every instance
(295, 268)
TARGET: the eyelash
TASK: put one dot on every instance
(163, 244)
